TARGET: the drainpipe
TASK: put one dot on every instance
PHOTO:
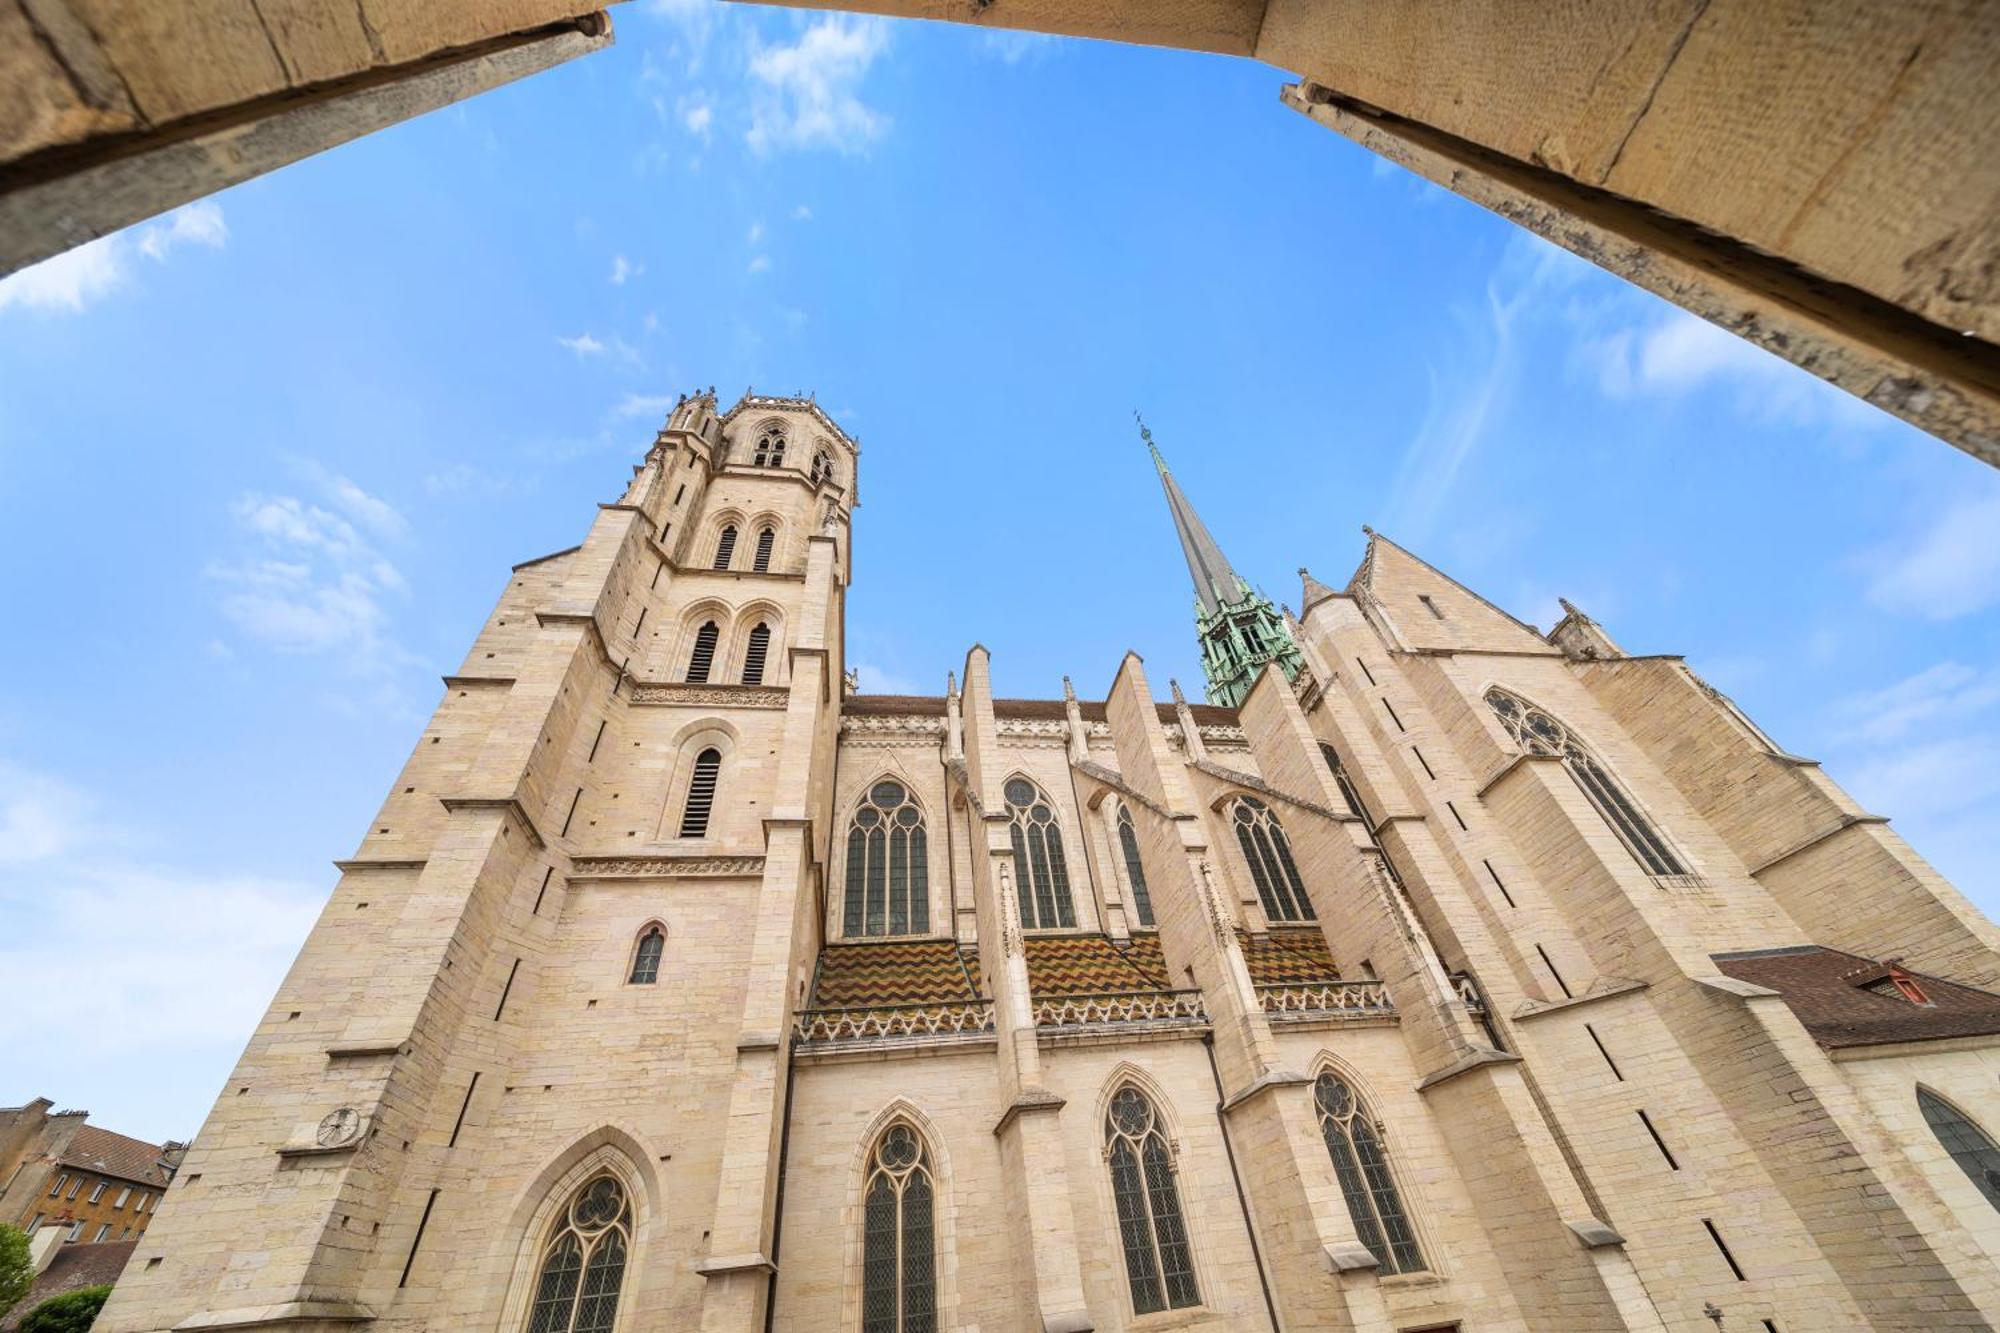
(1235, 1177)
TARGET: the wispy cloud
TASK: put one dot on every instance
(77, 279)
(755, 235)
(624, 270)
(802, 214)
(811, 88)
(698, 117)
(643, 405)
(1011, 46)
(583, 344)
(759, 264)
(1947, 693)
(1950, 567)
(876, 680)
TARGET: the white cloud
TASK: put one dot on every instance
(811, 88)
(624, 270)
(39, 816)
(1951, 568)
(802, 214)
(756, 233)
(1948, 693)
(200, 223)
(643, 405)
(1013, 45)
(583, 345)
(875, 680)
(760, 264)
(68, 281)
(699, 117)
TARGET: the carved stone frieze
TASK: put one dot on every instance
(665, 867)
(710, 696)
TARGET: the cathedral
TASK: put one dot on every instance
(1434, 973)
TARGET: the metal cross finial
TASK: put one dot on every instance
(1145, 431)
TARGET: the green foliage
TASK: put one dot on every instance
(17, 1274)
(71, 1312)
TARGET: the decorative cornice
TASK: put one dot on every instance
(1033, 728)
(896, 724)
(665, 867)
(774, 403)
(706, 695)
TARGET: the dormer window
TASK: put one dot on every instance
(1897, 984)
(770, 450)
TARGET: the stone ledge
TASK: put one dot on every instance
(471, 682)
(1604, 988)
(507, 804)
(366, 863)
(1349, 1256)
(1846, 822)
(1736, 989)
(1265, 1082)
(1032, 1101)
(1477, 1060)
(277, 1316)
(361, 1050)
(723, 1265)
(1508, 768)
(1595, 1234)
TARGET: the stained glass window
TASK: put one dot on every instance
(1539, 733)
(1039, 866)
(646, 958)
(1151, 1230)
(1268, 853)
(1970, 1146)
(583, 1263)
(1135, 870)
(898, 1252)
(888, 866)
(1362, 1166)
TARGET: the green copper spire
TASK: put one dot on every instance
(1239, 628)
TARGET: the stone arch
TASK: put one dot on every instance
(688, 743)
(892, 769)
(614, 1148)
(901, 1110)
(1200, 1236)
(680, 644)
(755, 525)
(1392, 1138)
(638, 940)
(745, 619)
(712, 531)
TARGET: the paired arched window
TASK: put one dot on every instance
(898, 1253)
(702, 660)
(646, 958)
(1970, 1146)
(888, 865)
(1151, 1230)
(1135, 870)
(761, 562)
(1539, 733)
(1348, 791)
(583, 1264)
(754, 655)
(1355, 1143)
(701, 794)
(1268, 853)
(725, 546)
(822, 467)
(770, 451)
(1038, 858)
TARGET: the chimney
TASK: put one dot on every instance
(44, 1245)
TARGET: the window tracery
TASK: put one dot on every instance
(1135, 869)
(1268, 853)
(583, 1263)
(822, 467)
(1040, 867)
(898, 1249)
(770, 450)
(1159, 1266)
(1354, 1141)
(1538, 732)
(1970, 1146)
(888, 865)
(646, 958)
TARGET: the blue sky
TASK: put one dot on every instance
(264, 463)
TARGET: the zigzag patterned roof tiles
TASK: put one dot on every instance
(853, 976)
(1288, 957)
(1094, 965)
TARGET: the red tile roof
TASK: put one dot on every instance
(110, 1154)
(894, 972)
(1288, 957)
(1093, 964)
(1827, 989)
(74, 1267)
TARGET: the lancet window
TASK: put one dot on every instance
(1362, 1166)
(1535, 731)
(646, 958)
(702, 660)
(1135, 870)
(725, 546)
(754, 654)
(822, 467)
(583, 1264)
(888, 865)
(1038, 858)
(1970, 1146)
(701, 794)
(761, 561)
(770, 450)
(1268, 852)
(1159, 1267)
(898, 1247)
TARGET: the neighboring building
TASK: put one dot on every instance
(1458, 977)
(71, 1268)
(59, 1171)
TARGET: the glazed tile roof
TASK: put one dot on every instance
(1288, 957)
(894, 972)
(1826, 988)
(100, 1150)
(1093, 964)
(73, 1268)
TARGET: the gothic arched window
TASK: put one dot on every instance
(701, 794)
(761, 562)
(1038, 858)
(1158, 1264)
(1135, 870)
(703, 656)
(1539, 733)
(770, 451)
(754, 655)
(725, 546)
(822, 467)
(888, 865)
(1970, 1146)
(898, 1255)
(1355, 1143)
(1348, 791)
(583, 1264)
(1269, 854)
(646, 958)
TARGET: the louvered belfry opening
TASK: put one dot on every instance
(725, 547)
(701, 794)
(765, 541)
(754, 655)
(702, 660)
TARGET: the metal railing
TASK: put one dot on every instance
(951, 1018)
(1151, 1006)
(1360, 999)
